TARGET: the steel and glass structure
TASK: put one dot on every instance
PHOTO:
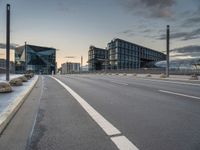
(40, 60)
(70, 67)
(126, 55)
(97, 58)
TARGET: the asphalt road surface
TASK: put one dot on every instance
(99, 112)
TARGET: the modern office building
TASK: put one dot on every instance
(126, 55)
(97, 58)
(40, 60)
(70, 67)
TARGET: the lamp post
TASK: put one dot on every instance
(25, 48)
(81, 63)
(167, 49)
(8, 42)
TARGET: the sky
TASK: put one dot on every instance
(71, 26)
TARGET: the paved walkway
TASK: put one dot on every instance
(3, 76)
(7, 98)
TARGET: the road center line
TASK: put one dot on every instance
(189, 96)
(120, 141)
(123, 143)
(117, 82)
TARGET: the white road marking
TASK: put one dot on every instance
(121, 142)
(169, 92)
(101, 121)
(121, 83)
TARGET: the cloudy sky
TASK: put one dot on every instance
(72, 26)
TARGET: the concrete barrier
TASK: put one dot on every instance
(23, 78)
(162, 75)
(134, 74)
(194, 77)
(5, 87)
(15, 82)
(148, 75)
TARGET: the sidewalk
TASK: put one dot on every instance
(10, 102)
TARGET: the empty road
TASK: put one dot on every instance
(101, 112)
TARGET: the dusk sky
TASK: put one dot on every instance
(71, 26)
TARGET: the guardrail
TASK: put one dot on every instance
(147, 71)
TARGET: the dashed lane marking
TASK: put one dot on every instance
(179, 94)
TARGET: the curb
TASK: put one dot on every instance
(13, 107)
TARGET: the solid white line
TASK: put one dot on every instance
(169, 92)
(123, 143)
(101, 121)
(107, 127)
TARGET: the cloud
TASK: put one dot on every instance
(192, 51)
(12, 46)
(192, 21)
(127, 32)
(186, 49)
(62, 7)
(194, 34)
(147, 31)
(150, 8)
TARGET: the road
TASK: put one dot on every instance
(95, 112)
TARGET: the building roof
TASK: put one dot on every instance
(39, 48)
(137, 45)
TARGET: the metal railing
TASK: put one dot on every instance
(147, 71)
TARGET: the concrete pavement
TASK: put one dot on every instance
(149, 118)
(151, 114)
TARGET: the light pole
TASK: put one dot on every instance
(25, 47)
(8, 42)
(81, 63)
(167, 52)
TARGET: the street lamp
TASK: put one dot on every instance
(167, 49)
(8, 42)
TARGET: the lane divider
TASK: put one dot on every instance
(119, 140)
(179, 94)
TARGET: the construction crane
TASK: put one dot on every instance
(69, 57)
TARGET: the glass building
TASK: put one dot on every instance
(126, 55)
(40, 60)
(70, 67)
(97, 58)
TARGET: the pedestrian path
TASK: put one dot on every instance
(3, 76)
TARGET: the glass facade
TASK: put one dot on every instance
(97, 58)
(126, 55)
(40, 60)
(70, 67)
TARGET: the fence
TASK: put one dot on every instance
(148, 71)
(2, 70)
